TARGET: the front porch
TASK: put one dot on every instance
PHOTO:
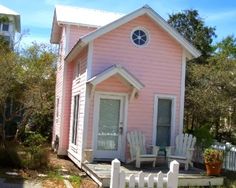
(100, 172)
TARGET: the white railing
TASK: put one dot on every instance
(229, 162)
(121, 180)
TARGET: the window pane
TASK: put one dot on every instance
(163, 122)
(75, 119)
(5, 27)
(164, 112)
(108, 130)
(163, 136)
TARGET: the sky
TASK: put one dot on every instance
(37, 15)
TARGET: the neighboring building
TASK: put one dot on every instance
(9, 29)
(116, 73)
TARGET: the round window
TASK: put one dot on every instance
(139, 37)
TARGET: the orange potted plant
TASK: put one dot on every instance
(213, 161)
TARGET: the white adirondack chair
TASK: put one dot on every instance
(183, 150)
(138, 151)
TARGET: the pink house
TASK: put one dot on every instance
(116, 73)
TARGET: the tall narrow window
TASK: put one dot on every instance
(164, 114)
(75, 119)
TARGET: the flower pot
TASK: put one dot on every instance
(213, 168)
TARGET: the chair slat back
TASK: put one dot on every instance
(136, 139)
(183, 143)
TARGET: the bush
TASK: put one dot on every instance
(38, 160)
(34, 139)
(204, 137)
(37, 156)
(9, 158)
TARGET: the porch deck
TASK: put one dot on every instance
(100, 173)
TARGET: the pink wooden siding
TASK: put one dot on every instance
(113, 84)
(157, 66)
(70, 35)
(75, 32)
(59, 88)
(78, 88)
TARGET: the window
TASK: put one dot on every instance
(164, 116)
(5, 27)
(139, 37)
(75, 119)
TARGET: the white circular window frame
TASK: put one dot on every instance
(145, 31)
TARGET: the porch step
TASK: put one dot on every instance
(100, 173)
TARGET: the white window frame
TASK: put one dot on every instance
(74, 134)
(173, 117)
(145, 31)
(98, 95)
(5, 24)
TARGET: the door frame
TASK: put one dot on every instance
(173, 117)
(110, 95)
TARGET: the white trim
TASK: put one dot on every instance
(87, 98)
(182, 92)
(90, 60)
(74, 157)
(174, 33)
(173, 116)
(62, 109)
(67, 38)
(116, 69)
(111, 95)
(144, 10)
(86, 120)
(147, 35)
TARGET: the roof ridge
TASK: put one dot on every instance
(90, 9)
(6, 9)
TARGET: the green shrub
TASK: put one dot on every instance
(10, 158)
(204, 137)
(38, 157)
(37, 160)
(34, 139)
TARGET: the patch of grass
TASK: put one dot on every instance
(75, 180)
(54, 175)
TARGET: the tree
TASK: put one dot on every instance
(213, 92)
(38, 76)
(192, 27)
(10, 83)
(210, 79)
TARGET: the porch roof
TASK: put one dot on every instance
(116, 69)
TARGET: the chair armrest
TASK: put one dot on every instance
(155, 150)
(169, 150)
(190, 153)
(138, 152)
(191, 149)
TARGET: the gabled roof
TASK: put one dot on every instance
(80, 16)
(146, 10)
(6, 11)
(116, 69)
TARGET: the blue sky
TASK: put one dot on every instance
(36, 15)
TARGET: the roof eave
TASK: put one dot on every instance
(76, 49)
(116, 69)
(151, 13)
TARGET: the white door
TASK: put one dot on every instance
(108, 127)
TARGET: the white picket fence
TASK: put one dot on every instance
(229, 162)
(121, 180)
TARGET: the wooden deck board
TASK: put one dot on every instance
(100, 172)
